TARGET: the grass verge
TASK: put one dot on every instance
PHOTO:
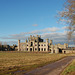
(17, 63)
(69, 70)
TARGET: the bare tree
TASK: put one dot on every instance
(67, 15)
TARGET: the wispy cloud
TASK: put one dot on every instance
(50, 33)
(24, 35)
(56, 37)
(35, 25)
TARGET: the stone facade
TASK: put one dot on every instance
(35, 44)
(68, 51)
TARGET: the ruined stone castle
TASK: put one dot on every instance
(36, 44)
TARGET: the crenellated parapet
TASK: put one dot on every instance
(36, 43)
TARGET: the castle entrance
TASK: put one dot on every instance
(30, 49)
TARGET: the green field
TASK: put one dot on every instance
(70, 70)
(21, 62)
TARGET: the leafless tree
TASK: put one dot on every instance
(67, 15)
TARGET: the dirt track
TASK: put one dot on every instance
(52, 69)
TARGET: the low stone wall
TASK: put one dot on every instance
(68, 51)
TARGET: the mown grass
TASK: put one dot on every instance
(69, 70)
(21, 62)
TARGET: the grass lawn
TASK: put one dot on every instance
(70, 70)
(21, 62)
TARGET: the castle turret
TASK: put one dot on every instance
(47, 43)
(50, 42)
(52, 48)
(36, 35)
(56, 49)
(65, 45)
(37, 42)
(28, 39)
(18, 45)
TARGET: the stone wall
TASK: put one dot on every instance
(68, 51)
(36, 44)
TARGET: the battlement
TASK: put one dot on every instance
(35, 43)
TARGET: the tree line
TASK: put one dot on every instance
(6, 47)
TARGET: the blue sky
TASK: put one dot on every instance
(21, 18)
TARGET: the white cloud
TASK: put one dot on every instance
(65, 27)
(50, 33)
(24, 35)
(56, 37)
(54, 29)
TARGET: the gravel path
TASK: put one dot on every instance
(52, 69)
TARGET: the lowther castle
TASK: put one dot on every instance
(36, 44)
